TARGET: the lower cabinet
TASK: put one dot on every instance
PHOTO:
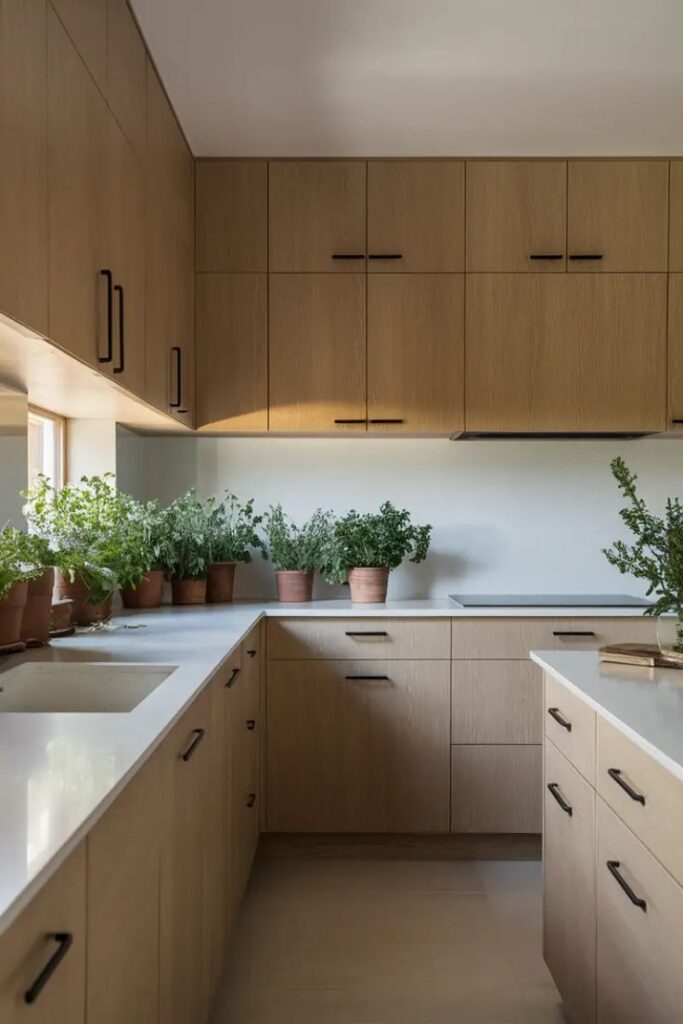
(496, 788)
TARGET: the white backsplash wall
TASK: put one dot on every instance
(508, 516)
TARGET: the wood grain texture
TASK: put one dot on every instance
(375, 846)
(416, 351)
(676, 215)
(639, 629)
(618, 208)
(184, 319)
(232, 351)
(126, 74)
(328, 639)
(160, 323)
(416, 208)
(317, 208)
(232, 215)
(561, 352)
(569, 901)
(516, 208)
(501, 638)
(577, 744)
(170, 167)
(23, 144)
(25, 949)
(496, 702)
(496, 788)
(317, 351)
(86, 23)
(215, 853)
(358, 756)
(675, 348)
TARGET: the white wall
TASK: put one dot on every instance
(13, 455)
(507, 515)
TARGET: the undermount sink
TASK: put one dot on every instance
(79, 687)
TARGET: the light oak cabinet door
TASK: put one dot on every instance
(317, 215)
(183, 349)
(317, 352)
(232, 351)
(244, 746)
(676, 215)
(86, 23)
(416, 215)
(126, 74)
(215, 858)
(358, 746)
(416, 352)
(50, 931)
(496, 702)
(569, 901)
(675, 349)
(23, 179)
(170, 167)
(516, 215)
(496, 788)
(617, 216)
(232, 215)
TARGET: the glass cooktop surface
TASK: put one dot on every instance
(549, 600)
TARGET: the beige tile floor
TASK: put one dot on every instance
(372, 941)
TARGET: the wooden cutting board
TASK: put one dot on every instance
(648, 655)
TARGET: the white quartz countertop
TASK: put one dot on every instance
(60, 772)
(645, 704)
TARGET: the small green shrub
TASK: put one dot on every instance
(375, 540)
(304, 548)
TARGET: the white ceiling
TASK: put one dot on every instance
(421, 77)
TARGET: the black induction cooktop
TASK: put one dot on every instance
(549, 600)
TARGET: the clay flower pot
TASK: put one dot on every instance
(220, 582)
(189, 591)
(11, 613)
(294, 585)
(83, 612)
(147, 594)
(35, 623)
(368, 586)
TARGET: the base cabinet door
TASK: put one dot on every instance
(496, 787)
(569, 885)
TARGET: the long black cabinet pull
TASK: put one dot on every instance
(386, 421)
(233, 678)
(351, 421)
(175, 351)
(573, 632)
(385, 256)
(368, 678)
(560, 719)
(366, 632)
(615, 773)
(64, 942)
(251, 799)
(555, 791)
(677, 421)
(637, 901)
(198, 737)
(546, 255)
(576, 256)
(348, 255)
(118, 288)
(110, 309)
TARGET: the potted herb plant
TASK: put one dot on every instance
(656, 556)
(185, 545)
(233, 535)
(366, 547)
(140, 553)
(296, 551)
(35, 622)
(15, 572)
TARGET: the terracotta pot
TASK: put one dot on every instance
(147, 594)
(368, 586)
(220, 582)
(294, 585)
(11, 612)
(189, 591)
(83, 612)
(35, 624)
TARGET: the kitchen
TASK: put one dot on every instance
(231, 235)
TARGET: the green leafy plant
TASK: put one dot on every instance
(19, 559)
(303, 548)
(232, 530)
(375, 541)
(141, 542)
(185, 538)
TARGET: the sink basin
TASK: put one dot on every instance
(79, 687)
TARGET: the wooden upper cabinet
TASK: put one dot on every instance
(676, 215)
(416, 352)
(183, 337)
(126, 74)
(317, 213)
(170, 171)
(23, 178)
(86, 23)
(675, 349)
(317, 352)
(557, 352)
(617, 215)
(232, 215)
(416, 215)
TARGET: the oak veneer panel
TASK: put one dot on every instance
(496, 702)
(126, 74)
(23, 144)
(316, 208)
(578, 742)
(501, 638)
(619, 208)
(569, 901)
(316, 351)
(232, 350)
(232, 215)
(216, 860)
(675, 347)
(416, 208)
(245, 795)
(496, 788)
(300, 639)
(358, 756)
(86, 23)
(160, 298)
(170, 167)
(184, 320)
(25, 949)
(516, 208)
(676, 215)
(416, 351)
(641, 629)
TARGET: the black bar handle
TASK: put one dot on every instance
(175, 350)
(385, 256)
(251, 724)
(348, 255)
(546, 255)
(560, 719)
(351, 421)
(615, 773)
(677, 421)
(585, 256)
(64, 942)
(233, 678)
(251, 799)
(366, 632)
(252, 654)
(386, 421)
(637, 901)
(198, 737)
(110, 328)
(378, 678)
(573, 632)
(555, 791)
(118, 288)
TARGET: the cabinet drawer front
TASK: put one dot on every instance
(496, 702)
(252, 646)
(501, 638)
(359, 638)
(496, 788)
(654, 807)
(640, 956)
(588, 634)
(570, 724)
